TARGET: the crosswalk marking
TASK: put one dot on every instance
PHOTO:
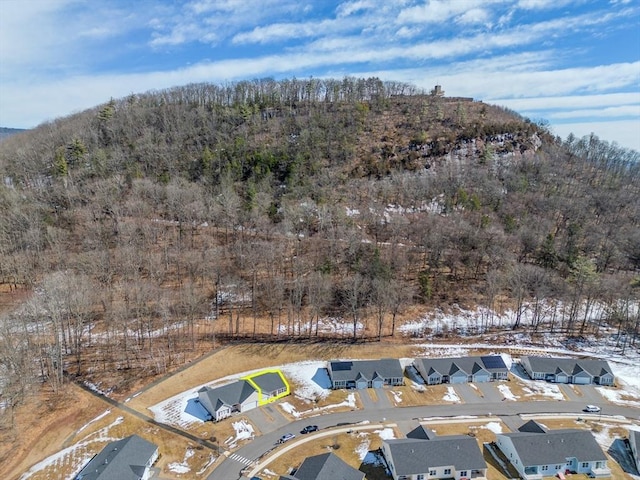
(240, 459)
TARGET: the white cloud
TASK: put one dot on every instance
(475, 15)
(610, 112)
(349, 8)
(570, 101)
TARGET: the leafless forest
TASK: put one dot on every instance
(140, 232)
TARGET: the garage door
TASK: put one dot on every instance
(249, 406)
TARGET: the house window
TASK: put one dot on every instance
(585, 464)
(432, 473)
(447, 471)
(463, 473)
(545, 468)
(558, 467)
(420, 476)
(599, 464)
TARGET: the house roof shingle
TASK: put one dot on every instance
(230, 394)
(469, 365)
(367, 369)
(268, 382)
(594, 367)
(414, 456)
(123, 459)
(555, 446)
(326, 466)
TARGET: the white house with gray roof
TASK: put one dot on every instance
(128, 459)
(486, 368)
(222, 402)
(425, 455)
(568, 370)
(365, 373)
(536, 452)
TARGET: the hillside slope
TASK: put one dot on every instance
(152, 224)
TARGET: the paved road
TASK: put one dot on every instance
(231, 468)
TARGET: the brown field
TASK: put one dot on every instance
(59, 426)
(431, 395)
(520, 389)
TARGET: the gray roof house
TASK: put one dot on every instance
(326, 466)
(634, 444)
(128, 459)
(568, 370)
(365, 373)
(536, 452)
(269, 384)
(222, 401)
(461, 369)
(426, 455)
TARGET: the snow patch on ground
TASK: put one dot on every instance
(386, 434)
(495, 427)
(363, 449)
(451, 396)
(615, 396)
(311, 379)
(506, 392)
(182, 467)
(244, 431)
(542, 388)
(104, 414)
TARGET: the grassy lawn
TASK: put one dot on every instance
(410, 396)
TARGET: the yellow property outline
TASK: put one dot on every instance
(261, 400)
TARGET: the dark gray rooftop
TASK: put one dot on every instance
(414, 456)
(555, 446)
(123, 460)
(367, 369)
(469, 365)
(231, 394)
(269, 382)
(326, 466)
(532, 427)
(570, 366)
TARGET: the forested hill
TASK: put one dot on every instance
(268, 205)
(7, 132)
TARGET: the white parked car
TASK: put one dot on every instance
(592, 408)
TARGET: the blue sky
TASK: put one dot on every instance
(573, 63)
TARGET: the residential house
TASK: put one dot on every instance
(536, 452)
(223, 401)
(365, 373)
(326, 466)
(568, 370)
(461, 369)
(270, 385)
(128, 459)
(634, 444)
(424, 455)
